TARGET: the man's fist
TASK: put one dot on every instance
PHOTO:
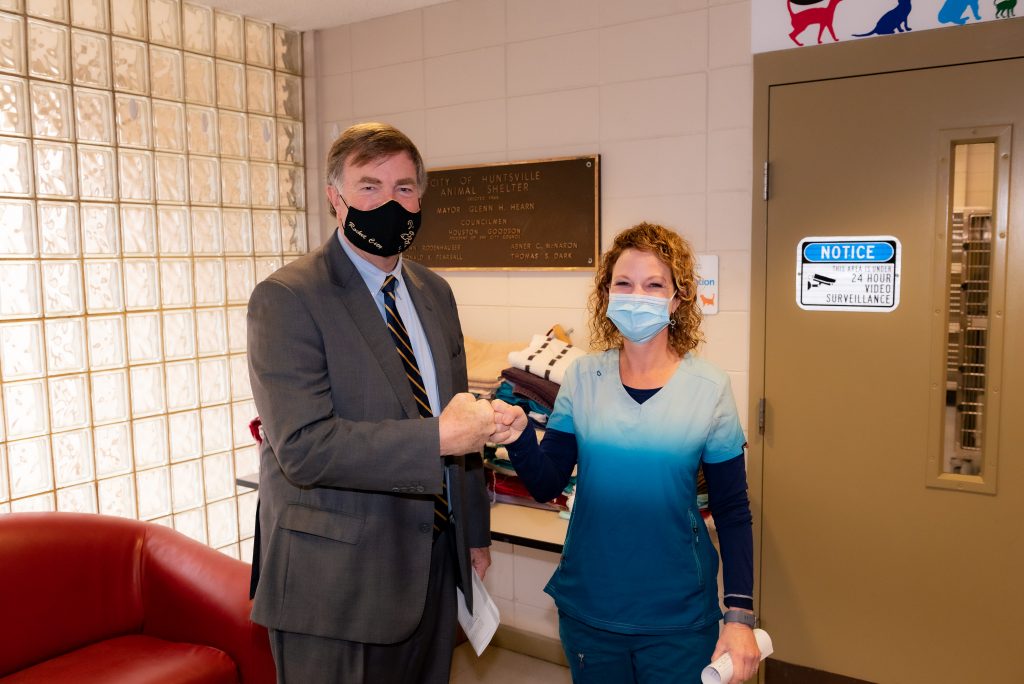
(465, 424)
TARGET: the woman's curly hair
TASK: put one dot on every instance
(675, 252)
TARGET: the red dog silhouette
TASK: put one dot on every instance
(706, 301)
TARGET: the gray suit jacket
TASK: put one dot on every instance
(347, 466)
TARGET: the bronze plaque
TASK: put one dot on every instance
(529, 215)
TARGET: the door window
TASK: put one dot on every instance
(974, 170)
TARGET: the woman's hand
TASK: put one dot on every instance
(738, 640)
(509, 422)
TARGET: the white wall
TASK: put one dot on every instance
(661, 89)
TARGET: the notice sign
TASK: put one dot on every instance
(848, 273)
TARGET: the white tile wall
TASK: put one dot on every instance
(741, 393)
(388, 40)
(676, 44)
(684, 212)
(730, 97)
(488, 323)
(532, 609)
(333, 56)
(734, 292)
(554, 63)
(336, 96)
(479, 288)
(659, 107)
(728, 220)
(499, 579)
(413, 123)
(533, 569)
(528, 319)
(338, 57)
(388, 89)
(469, 159)
(550, 288)
(661, 89)
(506, 608)
(528, 19)
(729, 160)
(619, 12)
(543, 621)
(550, 152)
(465, 77)
(463, 25)
(729, 42)
(638, 168)
(476, 127)
(558, 118)
(727, 338)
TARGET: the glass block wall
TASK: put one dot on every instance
(151, 172)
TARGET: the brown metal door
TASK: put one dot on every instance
(867, 569)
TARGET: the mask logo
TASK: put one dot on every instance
(638, 317)
(387, 230)
(409, 235)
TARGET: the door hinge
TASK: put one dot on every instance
(760, 416)
(764, 189)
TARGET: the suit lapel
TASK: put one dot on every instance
(430, 319)
(354, 295)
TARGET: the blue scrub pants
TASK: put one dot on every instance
(599, 657)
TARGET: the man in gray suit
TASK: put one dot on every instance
(357, 557)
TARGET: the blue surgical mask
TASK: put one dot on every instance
(638, 317)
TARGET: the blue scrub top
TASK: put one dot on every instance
(637, 556)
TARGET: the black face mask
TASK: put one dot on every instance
(385, 231)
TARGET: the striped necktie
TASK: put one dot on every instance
(412, 372)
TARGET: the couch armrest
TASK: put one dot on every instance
(195, 594)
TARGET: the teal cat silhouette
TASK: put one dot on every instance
(1005, 8)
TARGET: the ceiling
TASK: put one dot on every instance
(308, 15)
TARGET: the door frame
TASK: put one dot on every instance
(972, 43)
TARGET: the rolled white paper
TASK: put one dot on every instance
(720, 671)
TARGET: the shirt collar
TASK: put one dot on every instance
(372, 276)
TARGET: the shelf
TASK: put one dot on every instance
(532, 527)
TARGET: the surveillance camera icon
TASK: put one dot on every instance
(817, 280)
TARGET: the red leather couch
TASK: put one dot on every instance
(86, 599)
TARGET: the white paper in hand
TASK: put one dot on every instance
(481, 625)
(720, 671)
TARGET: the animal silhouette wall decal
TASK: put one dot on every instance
(892, 21)
(953, 11)
(1004, 9)
(822, 16)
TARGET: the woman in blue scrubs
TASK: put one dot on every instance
(636, 587)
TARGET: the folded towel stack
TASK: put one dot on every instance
(545, 357)
(532, 382)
